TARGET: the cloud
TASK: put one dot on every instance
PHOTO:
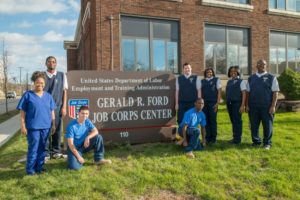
(23, 24)
(29, 51)
(52, 36)
(75, 4)
(32, 6)
(58, 23)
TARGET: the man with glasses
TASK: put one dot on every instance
(262, 92)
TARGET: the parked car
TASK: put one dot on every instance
(11, 95)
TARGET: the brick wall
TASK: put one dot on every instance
(95, 46)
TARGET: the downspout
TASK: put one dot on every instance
(111, 18)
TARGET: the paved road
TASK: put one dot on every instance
(12, 104)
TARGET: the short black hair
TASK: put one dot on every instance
(236, 67)
(49, 57)
(207, 69)
(38, 74)
(83, 108)
(199, 99)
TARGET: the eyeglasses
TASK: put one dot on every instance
(261, 64)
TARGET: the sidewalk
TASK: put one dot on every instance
(9, 128)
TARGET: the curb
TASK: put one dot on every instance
(10, 128)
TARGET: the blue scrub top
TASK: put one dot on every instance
(193, 118)
(37, 109)
(79, 131)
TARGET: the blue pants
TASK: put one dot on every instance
(55, 139)
(194, 143)
(96, 143)
(36, 149)
(183, 107)
(236, 120)
(211, 121)
(257, 115)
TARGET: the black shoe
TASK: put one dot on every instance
(255, 144)
(234, 142)
(43, 171)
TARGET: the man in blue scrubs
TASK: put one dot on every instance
(262, 92)
(189, 128)
(82, 136)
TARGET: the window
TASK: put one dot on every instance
(149, 45)
(243, 5)
(284, 51)
(288, 5)
(236, 1)
(226, 46)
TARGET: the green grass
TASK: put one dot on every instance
(161, 170)
(6, 116)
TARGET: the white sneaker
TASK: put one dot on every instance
(47, 158)
(59, 155)
(267, 147)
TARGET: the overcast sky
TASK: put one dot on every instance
(35, 29)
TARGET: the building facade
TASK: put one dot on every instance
(161, 35)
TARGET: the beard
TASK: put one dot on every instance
(51, 67)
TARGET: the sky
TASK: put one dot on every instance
(35, 29)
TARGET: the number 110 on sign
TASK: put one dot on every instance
(124, 134)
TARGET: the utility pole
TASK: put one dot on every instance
(27, 81)
(20, 80)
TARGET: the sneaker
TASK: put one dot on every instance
(267, 147)
(103, 162)
(47, 158)
(190, 155)
(59, 155)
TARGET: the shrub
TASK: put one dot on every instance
(289, 83)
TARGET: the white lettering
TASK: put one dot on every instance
(158, 100)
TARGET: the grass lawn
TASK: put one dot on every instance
(6, 116)
(162, 171)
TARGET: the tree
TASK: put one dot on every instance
(4, 64)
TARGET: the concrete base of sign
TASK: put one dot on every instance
(139, 135)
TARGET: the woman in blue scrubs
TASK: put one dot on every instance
(37, 117)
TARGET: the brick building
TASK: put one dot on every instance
(161, 35)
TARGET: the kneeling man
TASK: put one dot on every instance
(82, 136)
(189, 128)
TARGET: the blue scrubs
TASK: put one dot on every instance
(192, 118)
(78, 132)
(38, 123)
